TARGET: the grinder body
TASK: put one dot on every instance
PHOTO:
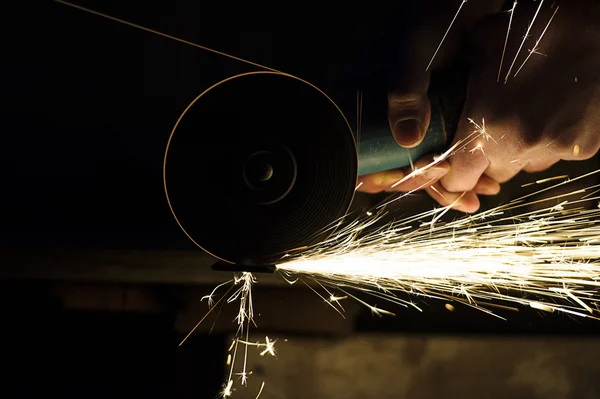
(378, 151)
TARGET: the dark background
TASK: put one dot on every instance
(86, 106)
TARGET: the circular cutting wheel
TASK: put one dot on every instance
(260, 164)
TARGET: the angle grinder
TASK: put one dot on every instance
(263, 163)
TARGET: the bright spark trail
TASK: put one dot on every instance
(462, 3)
(547, 259)
(534, 50)
(244, 319)
(512, 13)
(525, 37)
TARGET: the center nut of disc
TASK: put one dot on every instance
(269, 175)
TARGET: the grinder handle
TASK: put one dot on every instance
(376, 147)
(378, 150)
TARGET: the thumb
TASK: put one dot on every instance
(408, 115)
(409, 110)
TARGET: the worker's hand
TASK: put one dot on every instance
(428, 181)
(409, 109)
(546, 113)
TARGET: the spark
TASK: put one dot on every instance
(202, 319)
(446, 34)
(438, 192)
(244, 319)
(478, 147)
(512, 12)
(262, 386)
(481, 130)
(210, 297)
(412, 165)
(507, 257)
(534, 49)
(269, 347)
(243, 376)
(578, 178)
(539, 306)
(592, 193)
(334, 298)
(324, 299)
(227, 389)
(549, 179)
(523, 41)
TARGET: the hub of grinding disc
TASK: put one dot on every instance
(270, 174)
(260, 164)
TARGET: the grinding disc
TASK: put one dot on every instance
(260, 164)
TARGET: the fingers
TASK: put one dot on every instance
(468, 201)
(378, 182)
(421, 180)
(465, 202)
(388, 180)
(428, 180)
(467, 168)
(486, 186)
